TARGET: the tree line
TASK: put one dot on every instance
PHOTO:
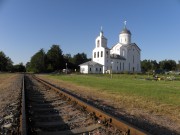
(54, 61)
(6, 64)
(159, 67)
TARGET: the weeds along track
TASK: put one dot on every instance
(50, 111)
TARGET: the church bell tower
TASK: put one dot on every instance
(101, 41)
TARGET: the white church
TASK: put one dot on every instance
(122, 57)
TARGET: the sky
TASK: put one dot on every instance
(27, 26)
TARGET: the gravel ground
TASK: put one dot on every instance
(10, 95)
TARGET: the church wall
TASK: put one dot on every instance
(89, 69)
(123, 51)
(130, 63)
(137, 60)
(107, 60)
(117, 65)
(133, 60)
(97, 69)
(99, 55)
(84, 69)
(116, 49)
(104, 42)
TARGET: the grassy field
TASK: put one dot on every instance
(138, 96)
(164, 92)
(4, 76)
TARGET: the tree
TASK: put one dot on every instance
(68, 58)
(28, 66)
(76, 60)
(5, 62)
(178, 66)
(80, 58)
(37, 63)
(168, 65)
(19, 68)
(2, 61)
(146, 65)
(55, 60)
(154, 65)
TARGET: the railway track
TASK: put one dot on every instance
(48, 110)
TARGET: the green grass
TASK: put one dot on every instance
(165, 92)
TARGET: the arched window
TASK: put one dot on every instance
(98, 43)
(94, 54)
(133, 58)
(101, 53)
(98, 55)
(106, 54)
(123, 52)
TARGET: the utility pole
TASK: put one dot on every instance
(111, 68)
(66, 68)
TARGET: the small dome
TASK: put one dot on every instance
(125, 31)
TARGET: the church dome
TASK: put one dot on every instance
(125, 31)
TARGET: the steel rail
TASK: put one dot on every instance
(23, 119)
(103, 116)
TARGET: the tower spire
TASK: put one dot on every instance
(125, 24)
(101, 29)
(101, 32)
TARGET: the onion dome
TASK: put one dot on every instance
(125, 31)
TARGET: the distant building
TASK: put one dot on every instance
(122, 57)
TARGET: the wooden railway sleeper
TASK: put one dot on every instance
(94, 117)
(74, 103)
(106, 121)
